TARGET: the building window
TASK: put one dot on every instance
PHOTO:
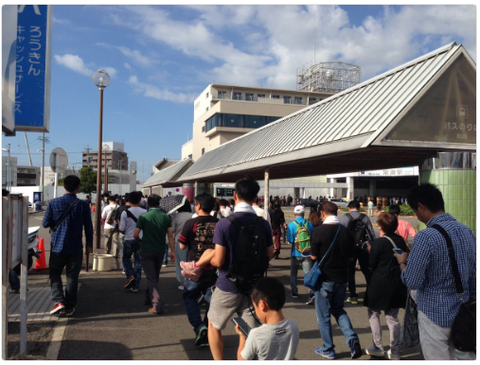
(222, 94)
(275, 96)
(298, 100)
(203, 129)
(237, 95)
(206, 109)
(249, 96)
(203, 151)
(206, 95)
(260, 95)
(287, 99)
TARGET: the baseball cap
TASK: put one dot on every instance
(299, 209)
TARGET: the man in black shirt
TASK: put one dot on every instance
(330, 296)
(197, 236)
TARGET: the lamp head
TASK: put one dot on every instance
(101, 79)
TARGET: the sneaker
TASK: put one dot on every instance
(352, 300)
(57, 308)
(134, 290)
(326, 354)
(154, 311)
(293, 295)
(374, 352)
(69, 312)
(181, 287)
(164, 265)
(392, 356)
(202, 337)
(355, 350)
(311, 299)
(123, 272)
(129, 283)
(14, 291)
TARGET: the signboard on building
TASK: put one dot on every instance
(32, 81)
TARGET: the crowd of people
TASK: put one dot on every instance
(221, 251)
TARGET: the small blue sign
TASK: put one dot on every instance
(37, 196)
(32, 81)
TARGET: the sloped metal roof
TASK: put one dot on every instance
(353, 120)
(168, 174)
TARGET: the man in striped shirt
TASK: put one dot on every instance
(66, 243)
(429, 271)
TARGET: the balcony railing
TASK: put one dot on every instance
(266, 100)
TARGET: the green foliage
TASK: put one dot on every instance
(88, 180)
(405, 210)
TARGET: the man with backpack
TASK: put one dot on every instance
(131, 247)
(243, 247)
(110, 228)
(299, 234)
(361, 229)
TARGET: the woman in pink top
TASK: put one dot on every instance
(404, 229)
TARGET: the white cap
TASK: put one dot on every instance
(299, 209)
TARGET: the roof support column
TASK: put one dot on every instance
(266, 189)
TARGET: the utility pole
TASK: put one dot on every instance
(43, 139)
(28, 149)
(88, 155)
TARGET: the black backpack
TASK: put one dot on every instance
(358, 229)
(249, 259)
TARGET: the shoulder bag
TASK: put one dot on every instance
(310, 279)
(62, 218)
(464, 325)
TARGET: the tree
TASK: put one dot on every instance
(88, 180)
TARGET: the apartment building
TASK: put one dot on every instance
(225, 112)
(114, 154)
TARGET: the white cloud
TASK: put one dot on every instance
(110, 70)
(253, 45)
(127, 66)
(136, 56)
(155, 92)
(74, 63)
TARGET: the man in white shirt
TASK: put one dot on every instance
(261, 212)
(110, 230)
(225, 210)
(131, 246)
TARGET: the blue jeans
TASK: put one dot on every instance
(329, 301)
(132, 247)
(191, 292)
(295, 263)
(72, 264)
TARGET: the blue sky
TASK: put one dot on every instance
(161, 57)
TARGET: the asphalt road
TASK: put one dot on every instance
(113, 324)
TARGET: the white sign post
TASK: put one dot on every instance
(58, 163)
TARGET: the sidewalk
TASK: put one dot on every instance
(113, 323)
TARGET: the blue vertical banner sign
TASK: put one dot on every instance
(32, 81)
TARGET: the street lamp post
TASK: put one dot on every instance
(106, 148)
(101, 79)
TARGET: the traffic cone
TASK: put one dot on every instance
(41, 263)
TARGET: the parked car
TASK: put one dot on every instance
(312, 203)
(340, 202)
